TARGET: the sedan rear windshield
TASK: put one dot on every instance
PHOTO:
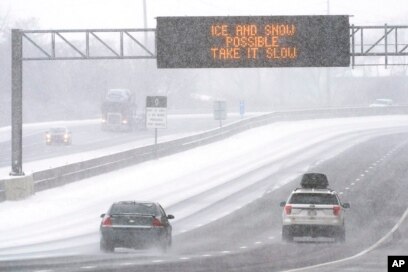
(134, 208)
(324, 199)
(58, 130)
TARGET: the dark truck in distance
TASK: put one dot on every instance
(119, 111)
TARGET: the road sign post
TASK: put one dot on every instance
(220, 110)
(242, 108)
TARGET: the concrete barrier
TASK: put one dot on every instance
(18, 187)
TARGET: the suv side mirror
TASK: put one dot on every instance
(170, 216)
(346, 205)
(102, 215)
(282, 204)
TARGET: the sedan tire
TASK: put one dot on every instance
(106, 246)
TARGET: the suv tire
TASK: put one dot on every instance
(287, 235)
(341, 236)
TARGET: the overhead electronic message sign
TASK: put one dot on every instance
(254, 41)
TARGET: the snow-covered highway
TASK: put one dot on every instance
(199, 186)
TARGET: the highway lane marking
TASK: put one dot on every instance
(43, 270)
(362, 175)
(126, 264)
(243, 247)
(88, 267)
(184, 258)
(371, 248)
(271, 237)
(226, 252)
(206, 255)
(157, 261)
(347, 188)
(357, 179)
(352, 184)
(258, 243)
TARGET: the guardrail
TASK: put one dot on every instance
(58, 176)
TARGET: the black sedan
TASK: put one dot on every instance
(137, 225)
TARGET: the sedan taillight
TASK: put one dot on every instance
(336, 210)
(288, 209)
(156, 222)
(107, 222)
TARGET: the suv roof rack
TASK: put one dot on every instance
(317, 189)
(314, 180)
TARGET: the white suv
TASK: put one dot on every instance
(313, 210)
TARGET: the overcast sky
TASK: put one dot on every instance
(53, 14)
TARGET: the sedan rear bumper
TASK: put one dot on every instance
(134, 237)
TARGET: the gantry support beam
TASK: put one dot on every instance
(115, 46)
(378, 41)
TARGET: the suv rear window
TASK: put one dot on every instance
(134, 208)
(325, 199)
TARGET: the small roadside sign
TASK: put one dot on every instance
(242, 108)
(220, 110)
(156, 112)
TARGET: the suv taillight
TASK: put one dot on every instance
(156, 222)
(107, 222)
(336, 210)
(288, 209)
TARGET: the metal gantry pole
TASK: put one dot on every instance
(386, 45)
(155, 143)
(145, 20)
(16, 102)
(352, 47)
(328, 72)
